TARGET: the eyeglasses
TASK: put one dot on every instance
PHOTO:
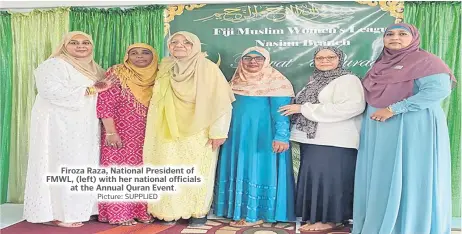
(184, 43)
(75, 43)
(248, 59)
(329, 58)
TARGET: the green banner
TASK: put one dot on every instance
(289, 31)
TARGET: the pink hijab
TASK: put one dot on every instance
(391, 78)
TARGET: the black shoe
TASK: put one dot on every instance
(197, 222)
(167, 223)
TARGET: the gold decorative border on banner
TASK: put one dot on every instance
(396, 8)
(175, 10)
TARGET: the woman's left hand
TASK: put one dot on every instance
(382, 115)
(290, 109)
(106, 83)
(216, 143)
(103, 85)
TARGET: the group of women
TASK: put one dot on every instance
(374, 150)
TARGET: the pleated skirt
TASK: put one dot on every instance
(325, 183)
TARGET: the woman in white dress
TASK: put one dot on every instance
(64, 131)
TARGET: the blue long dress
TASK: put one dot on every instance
(253, 182)
(403, 170)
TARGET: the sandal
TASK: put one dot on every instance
(167, 223)
(197, 222)
(57, 223)
(243, 223)
(332, 226)
(146, 221)
(130, 222)
(304, 227)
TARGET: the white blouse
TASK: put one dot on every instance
(338, 114)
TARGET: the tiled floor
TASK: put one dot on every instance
(12, 213)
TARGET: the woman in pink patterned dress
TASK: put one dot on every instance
(123, 110)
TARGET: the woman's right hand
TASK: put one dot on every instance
(290, 109)
(114, 141)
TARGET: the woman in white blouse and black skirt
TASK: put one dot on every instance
(326, 122)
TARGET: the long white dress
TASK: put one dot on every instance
(64, 131)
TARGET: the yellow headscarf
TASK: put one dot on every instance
(139, 80)
(87, 65)
(190, 93)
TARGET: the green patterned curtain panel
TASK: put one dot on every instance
(113, 30)
(35, 35)
(439, 25)
(6, 72)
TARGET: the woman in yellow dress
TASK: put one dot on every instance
(188, 119)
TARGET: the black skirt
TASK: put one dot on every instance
(325, 183)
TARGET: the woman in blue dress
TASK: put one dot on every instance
(403, 171)
(255, 181)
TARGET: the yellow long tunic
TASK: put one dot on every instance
(192, 200)
(191, 104)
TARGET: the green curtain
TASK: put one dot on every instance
(35, 35)
(439, 25)
(113, 30)
(6, 72)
